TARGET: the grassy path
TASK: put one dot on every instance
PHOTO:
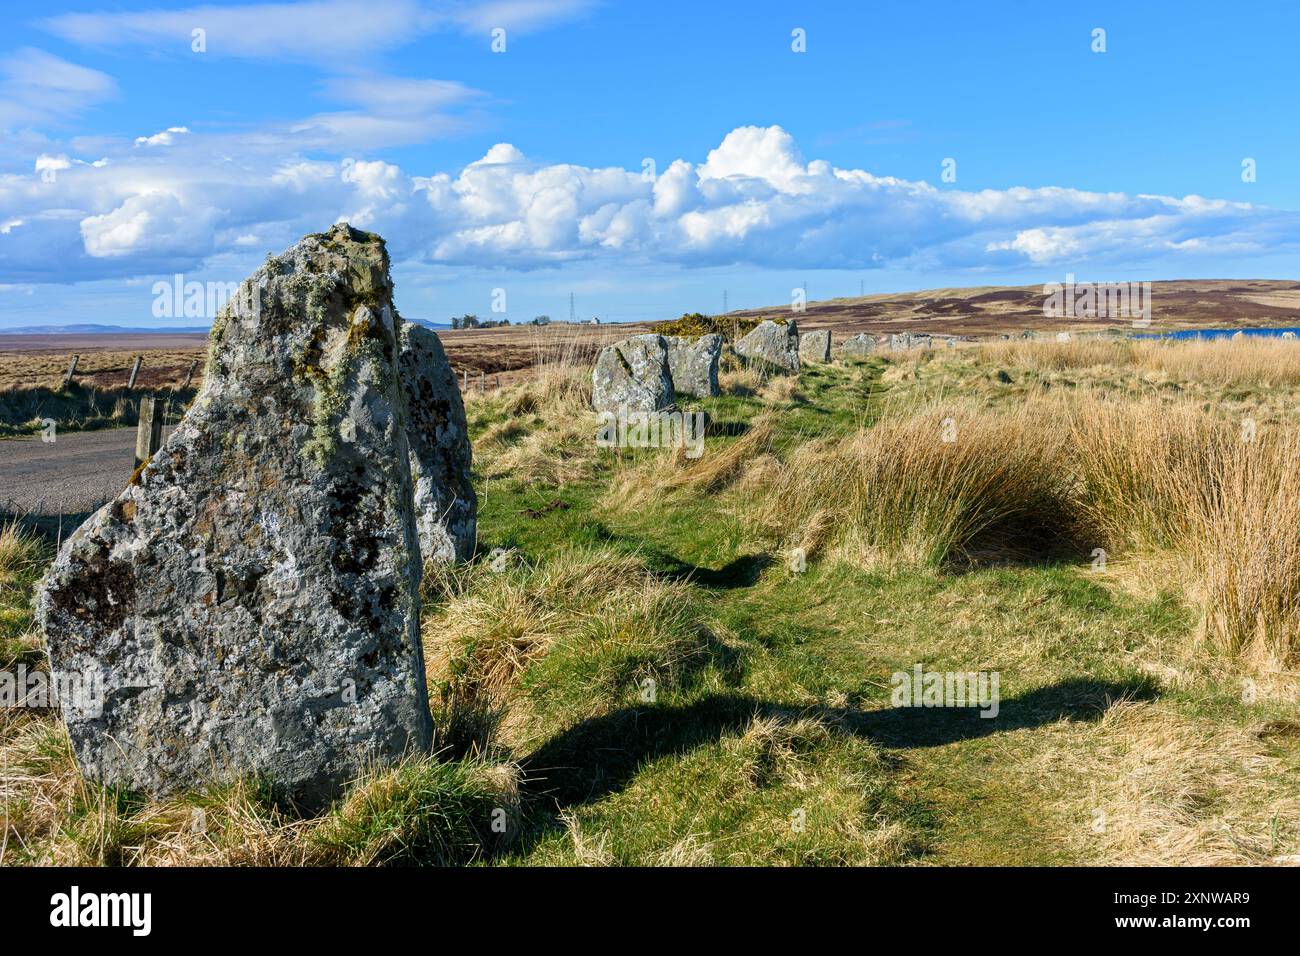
(939, 786)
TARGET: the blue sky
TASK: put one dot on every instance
(126, 156)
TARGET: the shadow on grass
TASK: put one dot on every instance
(741, 572)
(600, 755)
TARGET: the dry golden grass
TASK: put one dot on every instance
(1249, 361)
(1147, 469)
(923, 486)
(1147, 787)
(101, 369)
(1246, 550)
(21, 551)
(549, 433)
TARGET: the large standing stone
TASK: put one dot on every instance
(693, 364)
(250, 601)
(774, 344)
(864, 343)
(633, 375)
(815, 346)
(445, 504)
(901, 341)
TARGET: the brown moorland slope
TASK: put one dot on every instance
(985, 310)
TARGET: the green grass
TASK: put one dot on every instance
(23, 557)
(649, 683)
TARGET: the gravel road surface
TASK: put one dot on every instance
(75, 473)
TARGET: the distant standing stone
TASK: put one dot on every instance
(901, 341)
(815, 346)
(633, 374)
(251, 601)
(693, 364)
(864, 343)
(445, 504)
(772, 344)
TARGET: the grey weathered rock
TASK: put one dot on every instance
(633, 375)
(250, 601)
(864, 343)
(445, 506)
(693, 364)
(815, 346)
(900, 341)
(772, 344)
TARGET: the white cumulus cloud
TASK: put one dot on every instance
(754, 200)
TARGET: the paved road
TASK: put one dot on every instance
(76, 473)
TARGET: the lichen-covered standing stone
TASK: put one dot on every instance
(864, 343)
(901, 341)
(774, 344)
(445, 504)
(815, 346)
(693, 364)
(251, 599)
(633, 375)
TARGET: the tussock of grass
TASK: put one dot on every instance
(23, 557)
(899, 493)
(1146, 469)
(719, 467)
(423, 812)
(1247, 553)
(539, 646)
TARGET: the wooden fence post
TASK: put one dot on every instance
(135, 370)
(148, 433)
(481, 386)
(464, 382)
(72, 370)
(190, 374)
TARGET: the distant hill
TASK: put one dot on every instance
(1175, 304)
